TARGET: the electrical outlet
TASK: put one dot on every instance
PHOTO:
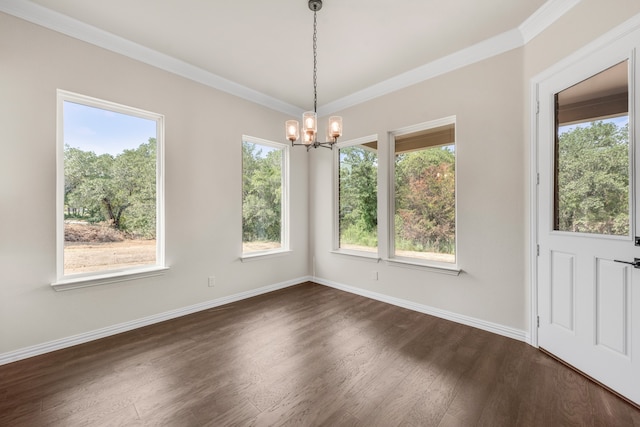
(212, 281)
(374, 275)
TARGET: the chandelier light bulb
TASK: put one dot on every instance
(335, 127)
(292, 129)
(308, 138)
(310, 118)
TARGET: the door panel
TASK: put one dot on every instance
(588, 303)
(562, 289)
(612, 302)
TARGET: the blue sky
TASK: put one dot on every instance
(103, 131)
(619, 121)
(261, 150)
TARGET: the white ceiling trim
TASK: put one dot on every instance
(486, 49)
(623, 30)
(534, 25)
(39, 15)
(544, 17)
(541, 19)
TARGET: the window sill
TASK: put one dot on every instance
(362, 255)
(264, 255)
(86, 281)
(451, 270)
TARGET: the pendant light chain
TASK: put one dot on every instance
(310, 118)
(315, 62)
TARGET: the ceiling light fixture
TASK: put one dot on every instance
(310, 118)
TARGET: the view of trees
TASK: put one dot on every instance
(593, 190)
(425, 218)
(358, 211)
(593, 184)
(119, 190)
(261, 193)
(593, 179)
(425, 199)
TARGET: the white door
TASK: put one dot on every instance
(588, 301)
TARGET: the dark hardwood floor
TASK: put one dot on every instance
(304, 356)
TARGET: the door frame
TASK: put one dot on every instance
(591, 48)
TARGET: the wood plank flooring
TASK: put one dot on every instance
(308, 355)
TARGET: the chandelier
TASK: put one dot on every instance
(310, 118)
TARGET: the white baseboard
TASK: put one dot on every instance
(495, 328)
(85, 337)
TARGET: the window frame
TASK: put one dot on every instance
(82, 280)
(336, 199)
(412, 262)
(285, 202)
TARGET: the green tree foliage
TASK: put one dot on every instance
(261, 194)
(425, 200)
(119, 190)
(593, 179)
(358, 196)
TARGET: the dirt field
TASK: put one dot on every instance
(431, 256)
(96, 247)
(83, 257)
(259, 246)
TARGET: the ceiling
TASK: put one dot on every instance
(263, 50)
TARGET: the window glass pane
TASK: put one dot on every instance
(592, 155)
(358, 197)
(425, 214)
(262, 197)
(110, 163)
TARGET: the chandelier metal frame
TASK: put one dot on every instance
(310, 118)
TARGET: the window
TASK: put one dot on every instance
(264, 196)
(357, 195)
(110, 188)
(424, 215)
(592, 157)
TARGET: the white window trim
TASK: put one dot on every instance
(260, 255)
(336, 199)
(82, 280)
(399, 261)
(284, 248)
(361, 255)
(99, 278)
(414, 263)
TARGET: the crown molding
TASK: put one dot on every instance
(513, 39)
(542, 18)
(623, 30)
(486, 49)
(55, 21)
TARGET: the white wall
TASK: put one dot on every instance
(491, 102)
(487, 100)
(203, 188)
(587, 21)
(203, 198)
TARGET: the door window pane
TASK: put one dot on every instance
(592, 159)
